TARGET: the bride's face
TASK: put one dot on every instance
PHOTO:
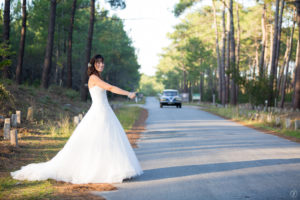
(99, 66)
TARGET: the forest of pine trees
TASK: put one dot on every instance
(240, 53)
(47, 42)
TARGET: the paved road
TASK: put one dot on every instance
(190, 154)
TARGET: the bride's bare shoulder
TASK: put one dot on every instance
(92, 80)
(96, 80)
(93, 77)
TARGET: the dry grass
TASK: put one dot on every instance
(266, 127)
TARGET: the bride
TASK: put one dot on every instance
(98, 150)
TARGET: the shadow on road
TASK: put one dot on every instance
(181, 171)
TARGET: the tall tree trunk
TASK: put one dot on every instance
(185, 88)
(49, 48)
(238, 47)
(69, 56)
(293, 84)
(296, 103)
(214, 78)
(256, 57)
(22, 45)
(233, 97)
(201, 85)
(210, 80)
(57, 63)
(278, 43)
(273, 58)
(271, 48)
(63, 77)
(253, 69)
(6, 28)
(223, 58)
(217, 50)
(181, 85)
(263, 43)
(190, 91)
(289, 47)
(228, 58)
(84, 76)
(282, 68)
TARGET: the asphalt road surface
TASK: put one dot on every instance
(191, 154)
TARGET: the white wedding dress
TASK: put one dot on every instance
(98, 151)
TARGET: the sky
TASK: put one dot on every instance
(147, 24)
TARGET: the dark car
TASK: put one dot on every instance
(170, 98)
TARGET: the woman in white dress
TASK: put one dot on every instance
(98, 150)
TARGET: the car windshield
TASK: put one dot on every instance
(170, 93)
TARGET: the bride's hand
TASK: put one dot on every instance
(131, 95)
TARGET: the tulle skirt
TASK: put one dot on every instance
(98, 151)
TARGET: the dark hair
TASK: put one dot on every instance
(91, 65)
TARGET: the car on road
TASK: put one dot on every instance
(170, 97)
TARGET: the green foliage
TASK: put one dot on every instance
(190, 53)
(193, 54)
(72, 94)
(109, 39)
(256, 90)
(182, 6)
(7, 101)
(5, 52)
(58, 90)
(149, 86)
(46, 100)
(4, 94)
(121, 66)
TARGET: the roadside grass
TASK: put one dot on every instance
(40, 143)
(128, 115)
(25, 190)
(63, 127)
(194, 103)
(283, 131)
(233, 114)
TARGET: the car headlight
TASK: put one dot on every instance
(178, 99)
(163, 99)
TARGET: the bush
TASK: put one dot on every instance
(7, 101)
(63, 127)
(56, 89)
(70, 93)
(257, 91)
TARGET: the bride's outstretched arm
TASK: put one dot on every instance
(112, 88)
